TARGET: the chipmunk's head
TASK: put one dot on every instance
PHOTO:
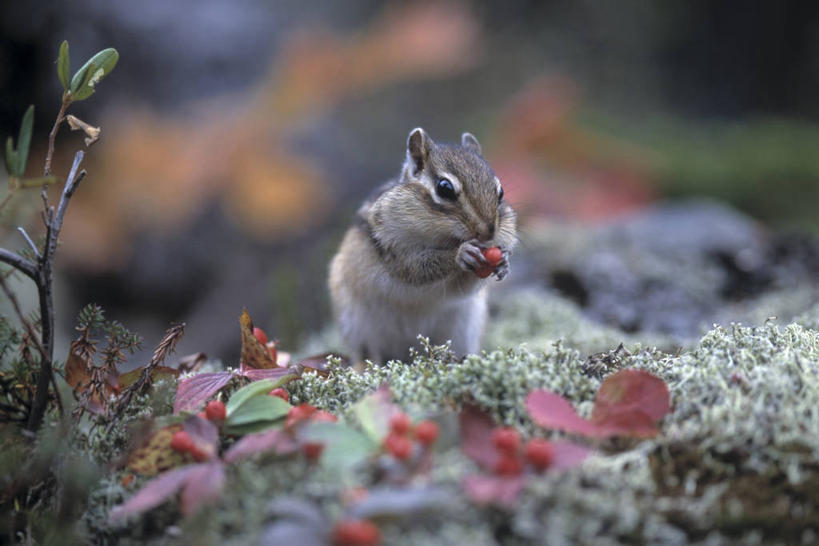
(455, 184)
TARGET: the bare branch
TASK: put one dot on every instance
(71, 185)
(19, 263)
(29, 241)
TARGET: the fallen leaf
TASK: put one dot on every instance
(374, 412)
(155, 454)
(254, 354)
(205, 435)
(159, 372)
(629, 403)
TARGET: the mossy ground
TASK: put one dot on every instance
(736, 460)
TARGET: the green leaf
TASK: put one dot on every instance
(251, 428)
(258, 408)
(257, 388)
(87, 77)
(63, 65)
(84, 87)
(11, 156)
(373, 413)
(344, 446)
(24, 140)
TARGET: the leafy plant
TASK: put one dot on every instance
(40, 268)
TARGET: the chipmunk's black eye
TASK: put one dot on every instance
(500, 194)
(445, 189)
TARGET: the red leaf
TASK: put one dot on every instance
(629, 403)
(631, 391)
(153, 493)
(476, 436)
(498, 490)
(205, 435)
(202, 486)
(194, 391)
(568, 455)
(550, 410)
(276, 440)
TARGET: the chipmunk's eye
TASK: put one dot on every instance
(445, 189)
(500, 194)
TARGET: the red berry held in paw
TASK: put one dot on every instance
(400, 424)
(399, 447)
(259, 334)
(181, 441)
(426, 432)
(356, 533)
(281, 393)
(216, 411)
(507, 440)
(540, 453)
(493, 255)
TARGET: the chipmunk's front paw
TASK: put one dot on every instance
(502, 269)
(469, 257)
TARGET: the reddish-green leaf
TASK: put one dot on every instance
(476, 436)
(202, 486)
(153, 493)
(194, 391)
(275, 440)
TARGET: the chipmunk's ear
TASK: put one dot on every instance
(419, 144)
(471, 143)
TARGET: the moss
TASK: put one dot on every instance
(736, 460)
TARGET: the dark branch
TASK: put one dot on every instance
(19, 263)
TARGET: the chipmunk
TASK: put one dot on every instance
(406, 266)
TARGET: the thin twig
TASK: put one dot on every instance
(19, 263)
(30, 242)
(52, 136)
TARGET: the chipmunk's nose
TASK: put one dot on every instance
(486, 232)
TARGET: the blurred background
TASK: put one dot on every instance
(238, 138)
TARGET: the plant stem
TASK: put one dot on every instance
(44, 281)
(52, 136)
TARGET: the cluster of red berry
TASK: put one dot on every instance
(398, 442)
(304, 413)
(538, 452)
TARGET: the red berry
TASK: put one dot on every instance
(398, 446)
(324, 416)
(312, 451)
(540, 453)
(506, 439)
(483, 272)
(271, 348)
(400, 424)
(199, 455)
(281, 393)
(356, 533)
(260, 335)
(299, 413)
(509, 465)
(181, 442)
(493, 255)
(216, 411)
(426, 432)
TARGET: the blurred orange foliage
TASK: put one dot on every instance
(550, 165)
(155, 172)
